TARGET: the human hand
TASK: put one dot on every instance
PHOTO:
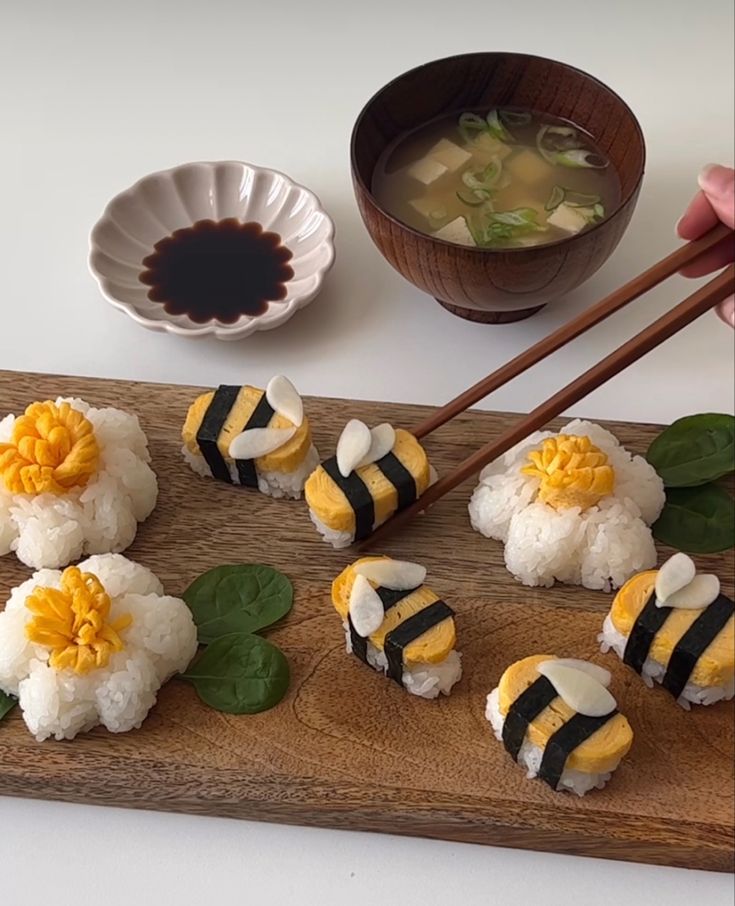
(714, 202)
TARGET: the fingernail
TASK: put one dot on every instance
(678, 224)
(714, 177)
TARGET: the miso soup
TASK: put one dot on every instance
(505, 179)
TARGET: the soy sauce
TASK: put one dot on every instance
(218, 270)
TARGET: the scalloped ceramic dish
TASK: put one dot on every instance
(168, 200)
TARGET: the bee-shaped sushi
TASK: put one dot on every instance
(676, 628)
(374, 474)
(557, 718)
(247, 436)
(398, 626)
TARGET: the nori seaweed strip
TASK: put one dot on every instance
(401, 479)
(408, 631)
(259, 418)
(566, 739)
(211, 427)
(649, 622)
(390, 597)
(692, 645)
(359, 644)
(529, 704)
(358, 497)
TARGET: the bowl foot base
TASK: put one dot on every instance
(489, 317)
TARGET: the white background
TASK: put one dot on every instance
(94, 95)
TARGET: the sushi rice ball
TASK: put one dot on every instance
(91, 645)
(397, 625)
(256, 438)
(674, 626)
(74, 480)
(374, 474)
(573, 507)
(557, 718)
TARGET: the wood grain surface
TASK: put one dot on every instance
(496, 285)
(346, 748)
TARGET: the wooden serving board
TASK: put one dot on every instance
(346, 748)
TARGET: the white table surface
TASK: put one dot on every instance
(94, 95)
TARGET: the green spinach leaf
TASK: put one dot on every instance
(694, 450)
(7, 703)
(697, 520)
(242, 598)
(240, 674)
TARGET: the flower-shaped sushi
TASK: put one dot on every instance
(373, 475)
(573, 507)
(74, 480)
(91, 645)
(247, 436)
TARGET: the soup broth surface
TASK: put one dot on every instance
(507, 178)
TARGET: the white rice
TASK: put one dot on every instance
(51, 531)
(332, 536)
(600, 547)
(654, 671)
(273, 483)
(530, 756)
(424, 680)
(160, 641)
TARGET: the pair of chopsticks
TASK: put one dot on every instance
(661, 330)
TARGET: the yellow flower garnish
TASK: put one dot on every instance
(73, 622)
(573, 472)
(52, 449)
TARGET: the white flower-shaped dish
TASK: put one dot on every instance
(136, 219)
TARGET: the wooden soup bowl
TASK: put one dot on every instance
(496, 285)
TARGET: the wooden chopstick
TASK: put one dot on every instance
(661, 330)
(621, 297)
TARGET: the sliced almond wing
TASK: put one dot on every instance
(284, 398)
(398, 575)
(353, 444)
(365, 607)
(257, 442)
(582, 692)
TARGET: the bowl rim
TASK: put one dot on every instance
(477, 250)
(246, 324)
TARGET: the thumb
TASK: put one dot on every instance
(718, 184)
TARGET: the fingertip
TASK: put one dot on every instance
(698, 218)
(726, 311)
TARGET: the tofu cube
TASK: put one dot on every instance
(568, 219)
(429, 208)
(488, 146)
(452, 156)
(456, 231)
(528, 167)
(427, 170)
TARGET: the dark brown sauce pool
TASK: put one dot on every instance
(218, 270)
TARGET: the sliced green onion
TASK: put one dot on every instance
(472, 197)
(558, 194)
(599, 211)
(470, 123)
(577, 158)
(517, 217)
(496, 128)
(485, 179)
(540, 135)
(515, 117)
(562, 130)
(580, 200)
